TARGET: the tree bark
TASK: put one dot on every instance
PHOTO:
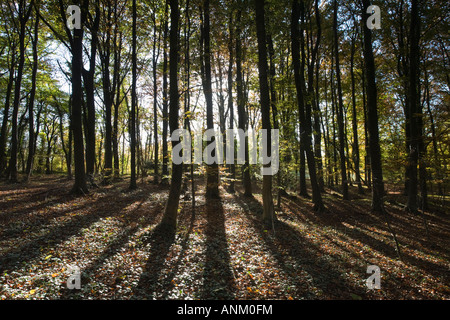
(304, 112)
(80, 186)
(212, 170)
(133, 184)
(268, 207)
(355, 148)
(242, 114)
(414, 108)
(169, 219)
(4, 130)
(372, 117)
(340, 109)
(165, 109)
(23, 16)
(89, 87)
(31, 133)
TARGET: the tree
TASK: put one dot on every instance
(268, 208)
(89, 86)
(133, 103)
(212, 170)
(340, 109)
(80, 186)
(372, 116)
(304, 115)
(31, 133)
(242, 114)
(169, 219)
(414, 107)
(355, 147)
(23, 15)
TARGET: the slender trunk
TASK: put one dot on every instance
(80, 186)
(367, 169)
(4, 130)
(89, 86)
(304, 111)
(212, 170)
(268, 207)
(23, 16)
(242, 115)
(31, 133)
(414, 107)
(231, 188)
(133, 184)
(165, 111)
(155, 101)
(355, 148)
(315, 101)
(340, 109)
(117, 88)
(433, 135)
(372, 117)
(273, 105)
(107, 100)
(170, 214)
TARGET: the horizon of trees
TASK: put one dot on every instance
(354, 106)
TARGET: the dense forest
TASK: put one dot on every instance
(92, 92)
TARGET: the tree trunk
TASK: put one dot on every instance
(4, 130)
(107, 100)
(23, 16)
(414, 108)
(212, 170)
(133, 184)
(169, 219)
(117, 84)
(242, 114)
(340, 109)
(31, 133)
(88, 77)
(268, 207)
(165, 111)
(231, 188)
(79, 186)
(355, 148)
(372, 117)
(304, 113)
(155, 56)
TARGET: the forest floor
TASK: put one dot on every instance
(222, 251)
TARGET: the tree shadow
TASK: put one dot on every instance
(160, 240)
(315, 273)
(31, 249)
(355, 222)
(218, 277)
(113, 247)
(167, 283)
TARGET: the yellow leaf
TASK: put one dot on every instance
(48, 257)
(33, 291)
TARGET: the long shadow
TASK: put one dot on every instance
(218, 279)
(160, 241)
(322, 273)
(114, 246)
(346, 212)
(32, 249)
(386, 247)
(167, 282)
(15, 227)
